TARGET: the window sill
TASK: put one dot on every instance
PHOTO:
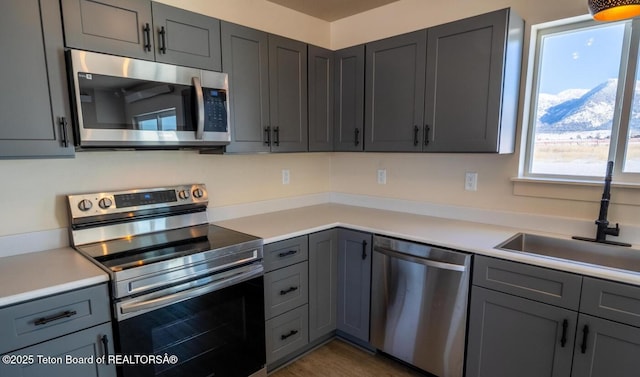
(586, 191)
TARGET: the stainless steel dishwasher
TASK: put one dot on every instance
(419, 301)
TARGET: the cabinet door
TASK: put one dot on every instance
(119, 27)
(245, 58)
(320, 99)
(288, 94)
(607, 349)
(72, 355)
(394, 99)
(323, 280)
(354, 283)
(349, 99)
(473, 73)
(186, 38)
(33, 70)
(511, 336)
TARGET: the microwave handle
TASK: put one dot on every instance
(200, 107)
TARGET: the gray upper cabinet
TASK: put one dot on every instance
(140, 29)
(354, 282)
(186, 38)
(288, 94)
(35, 109)
(349, 99)
(320, 99)
(245, 58)
(268, 90)
(473, 74)
(119, 27)
(323, 279)
(394, 95)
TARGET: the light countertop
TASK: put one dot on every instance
(466, 236)
(33, 275)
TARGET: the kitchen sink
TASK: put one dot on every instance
(598, 254)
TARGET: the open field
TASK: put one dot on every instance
(563, 156)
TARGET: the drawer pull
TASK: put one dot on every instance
(105, 343)
(291, 333)
(291, 289)
(563, 340)
(286, 254)
(45, 320)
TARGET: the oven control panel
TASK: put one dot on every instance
(106, 203)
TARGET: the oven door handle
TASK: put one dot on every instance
(142, 305)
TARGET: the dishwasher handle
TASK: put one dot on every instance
(424, 261)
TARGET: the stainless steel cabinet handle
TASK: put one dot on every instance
(424, 261)
(200, 106)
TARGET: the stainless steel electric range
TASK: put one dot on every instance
(180, 286)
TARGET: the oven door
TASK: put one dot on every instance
(216, 329)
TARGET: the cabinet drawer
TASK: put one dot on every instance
(89, 343)
(287, 333)
(39, 320)
(285, 289)
(285, 253)
(616, 301)
(536, 283)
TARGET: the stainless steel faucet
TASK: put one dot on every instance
(603, 228)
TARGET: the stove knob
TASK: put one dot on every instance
(198, 193)
(184, 194)
(105, 203)
(85, 205)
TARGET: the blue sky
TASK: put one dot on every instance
(581, 60)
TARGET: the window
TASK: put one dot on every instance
(163, 120)
(584, 105)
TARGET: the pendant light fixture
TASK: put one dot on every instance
(613, 10)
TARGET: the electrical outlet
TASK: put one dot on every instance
(382, 176)
(286, 176)
(471, 181)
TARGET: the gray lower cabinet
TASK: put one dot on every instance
(394, 93)
(605, 349)
(323, 280)
(525, 321)
(286, 299)
(59, 335)
(72, 355)
(143, 29)
(349, 99)
(268, 100)
(354, 283)
(473, 76)
(35, 111)
(512, 336)
(320, 91)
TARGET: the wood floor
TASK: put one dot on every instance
(339, 359)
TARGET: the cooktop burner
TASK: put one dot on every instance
(131, 252)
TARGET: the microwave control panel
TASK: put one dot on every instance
(215, 110)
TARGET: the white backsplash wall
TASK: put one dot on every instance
(33, 191)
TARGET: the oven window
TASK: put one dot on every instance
(217, 334)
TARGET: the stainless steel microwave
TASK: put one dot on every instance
(128, 103)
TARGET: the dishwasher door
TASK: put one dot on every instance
(419, 299)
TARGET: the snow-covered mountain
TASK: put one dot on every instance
(578, 110)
